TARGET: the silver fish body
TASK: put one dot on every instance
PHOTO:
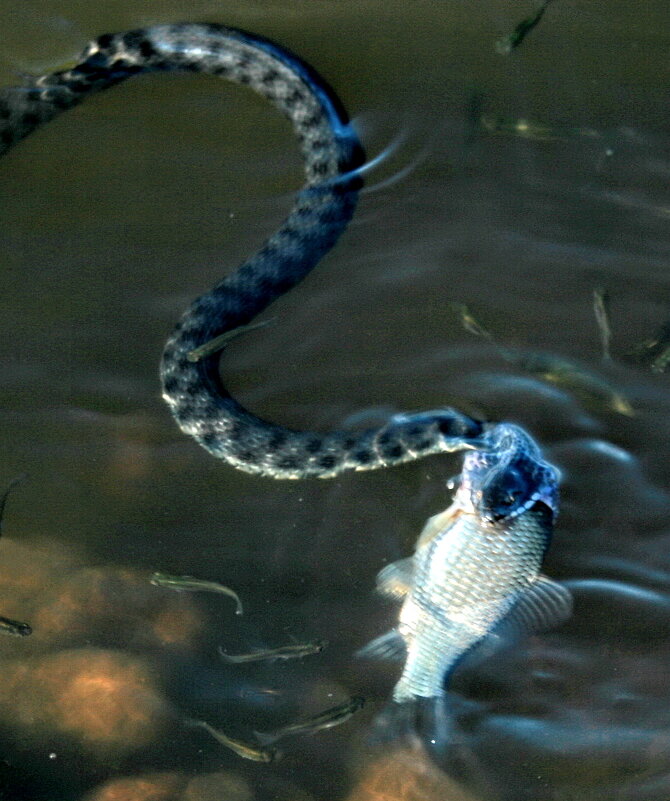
(466, 579)
(476, 567)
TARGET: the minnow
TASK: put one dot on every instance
(191, 584)
(221, 342)
(6, 493)
(476, 568)
(14, 627)
(592, 389)
(327, 719)
(525, 128)
(601, 309)
(653, 352)
(262, 692)
(283, 652)
(245, 750)
(505, 45)
(469, 322)
(521, 127)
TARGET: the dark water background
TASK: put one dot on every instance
(116, 214)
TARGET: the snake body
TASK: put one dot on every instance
(321, 211)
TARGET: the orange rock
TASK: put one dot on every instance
(156, 787)
(407, 774)
(107, 700)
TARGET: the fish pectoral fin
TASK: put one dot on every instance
(395, 580)
(389, 646)
(437, 523)
(545, 604)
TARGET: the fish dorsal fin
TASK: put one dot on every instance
(389, 646)
(395, 580)
(437, 523)
(543, 605)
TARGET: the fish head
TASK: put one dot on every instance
(508, 478)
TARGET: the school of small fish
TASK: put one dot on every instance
(259, 751)
(591, 388)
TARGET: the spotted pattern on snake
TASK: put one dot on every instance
(321, 211)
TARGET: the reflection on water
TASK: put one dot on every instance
(125, 209)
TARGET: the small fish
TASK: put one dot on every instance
(324, 720)
(653, 352)
(469, 322)
(505, 45)
(661, 363)
(591, 389)
(191, 584)
(245, 750)
(14, 627)
(262, 692)
(521, 127)
(283, 652)
(475, 573)
(601, 309)
(5, 495)
(221, 342)
(535, 131)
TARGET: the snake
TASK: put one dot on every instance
(333, 161)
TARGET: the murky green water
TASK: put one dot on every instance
(116, 214)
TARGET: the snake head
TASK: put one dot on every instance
(509, 477)
(510, 492)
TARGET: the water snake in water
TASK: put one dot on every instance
(321, 210)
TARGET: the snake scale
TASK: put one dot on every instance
(321, 211)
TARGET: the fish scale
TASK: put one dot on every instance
(465, 582)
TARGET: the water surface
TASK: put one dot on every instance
(118, 213)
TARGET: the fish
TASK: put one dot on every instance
(661, 363)
(296, 651)
(221, 342)
(260, 692)
(505, 45)
(243, 749)
(470, 323)
(525, 128)
(475, 576)
(191, 584)
(593, 390)
(324, 720)
(14, 627)
(653, 352)
(601, 309)
(521, 127)
(5, 495)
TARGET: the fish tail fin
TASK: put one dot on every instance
(265, 738)
(432, 721)
(440, 726)
(232, 659)
(389, 646)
